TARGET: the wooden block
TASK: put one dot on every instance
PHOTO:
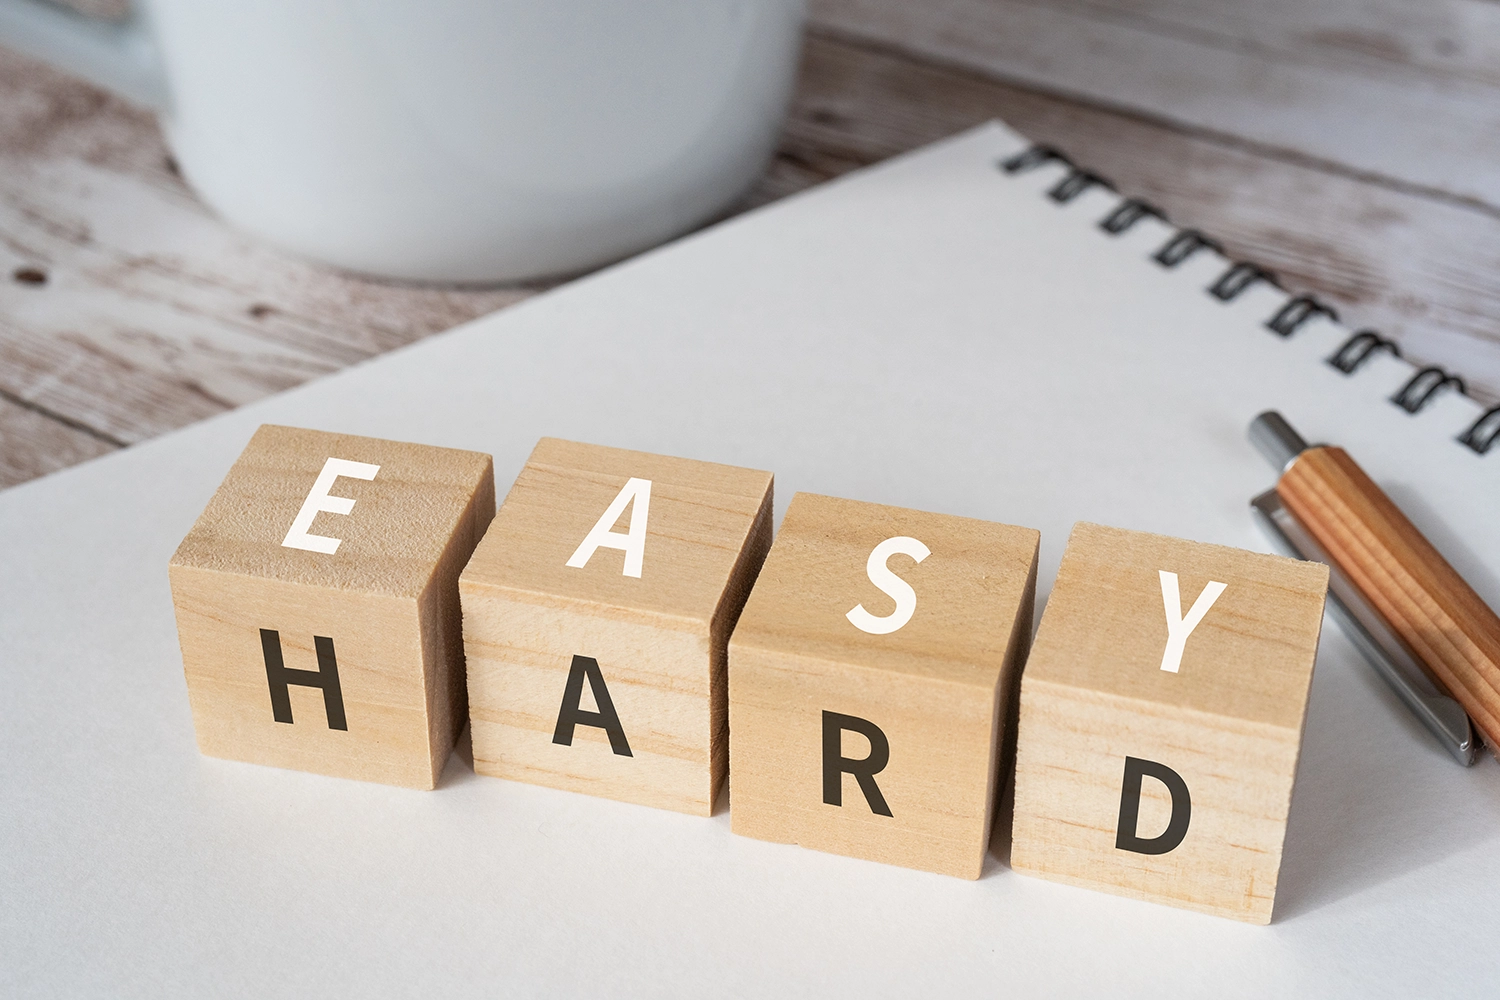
(1161, 719)
(870, 680)
(596, 614)
(317, 604)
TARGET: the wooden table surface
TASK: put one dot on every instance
(1351, 145)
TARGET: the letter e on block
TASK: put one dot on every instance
(317, 604)
(878, 732)
(596, 615)
(1161, 720)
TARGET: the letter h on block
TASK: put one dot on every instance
(596, 615)
(870, 682)
(1161, 720)
(317, 604)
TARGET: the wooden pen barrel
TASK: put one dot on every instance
(1427, 603)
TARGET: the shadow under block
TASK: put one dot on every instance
(359, 649)
(1166, 785)
(599, 668)
(879, 740)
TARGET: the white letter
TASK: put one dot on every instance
(319, 500)
(893, 586)
(1178, 627)
(634, 542)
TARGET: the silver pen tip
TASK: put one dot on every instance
(1276, 439)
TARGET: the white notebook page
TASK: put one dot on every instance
(930, 333)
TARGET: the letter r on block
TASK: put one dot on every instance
(836, 765)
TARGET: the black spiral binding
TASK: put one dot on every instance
(1240, 277)
(1353, 352)
(1033, 156)
(1485, 432)
(1415, 394)
(1182, 246)
(1131, 211)
(1298, 310)
(1422, 386)
(1073, 185)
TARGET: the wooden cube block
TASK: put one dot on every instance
(1161, 719)
(870, 679)
(596, 614)
(317, 604)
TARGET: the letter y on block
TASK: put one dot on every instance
(1178, 626)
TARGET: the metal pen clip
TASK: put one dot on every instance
(1443, 716)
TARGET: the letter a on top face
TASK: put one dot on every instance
(597, 611)
(1161, 720)
(317, 604)
(871, 674)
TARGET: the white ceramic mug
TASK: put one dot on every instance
(449, 140)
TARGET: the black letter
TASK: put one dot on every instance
(864, 771)
(1130, 806)
(325, 677)
(570, 715)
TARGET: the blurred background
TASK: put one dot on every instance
(1352, 146)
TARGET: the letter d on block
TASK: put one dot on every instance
(1126, 838)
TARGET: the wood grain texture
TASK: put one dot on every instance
(937, 689)
(1404, 91)
(140, 312)
(1429, 605)
(657, 640)
(34, 442)
(1228, 722)
(385, 602)
(1417, 268)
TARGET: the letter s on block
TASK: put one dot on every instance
(892, 585)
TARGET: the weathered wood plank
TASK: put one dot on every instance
(127, 309)
(1408, 91)
(1436, 39)
(1425, 270)
(145, 312)
(33, 443)
(151, 314)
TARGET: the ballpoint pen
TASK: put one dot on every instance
(1421, 626)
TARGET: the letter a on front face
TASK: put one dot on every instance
(572, 714)
(637, 496)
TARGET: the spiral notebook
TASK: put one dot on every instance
(976, 328)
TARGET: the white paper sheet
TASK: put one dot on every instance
(930, 333)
